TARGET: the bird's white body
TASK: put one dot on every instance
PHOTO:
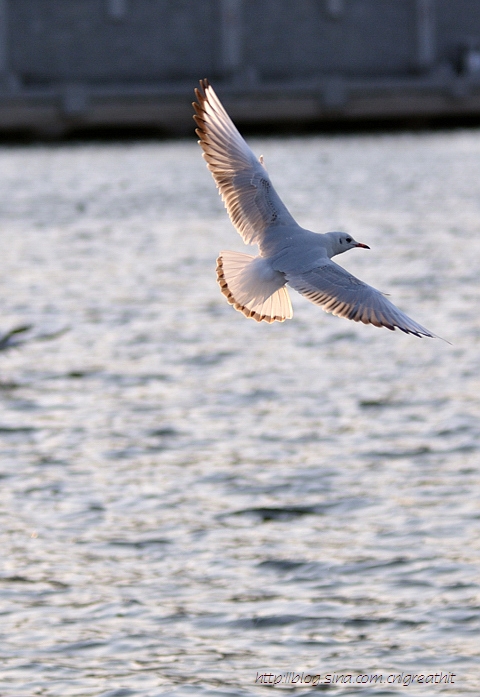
(289, 254)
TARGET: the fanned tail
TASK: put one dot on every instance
(253, 287)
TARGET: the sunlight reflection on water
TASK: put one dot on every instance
(189, 498)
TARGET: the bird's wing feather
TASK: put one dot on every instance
(243, 182)
(339, 292)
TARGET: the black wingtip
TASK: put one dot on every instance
(204, 84)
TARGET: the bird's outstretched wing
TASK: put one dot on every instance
(243, 182)
(339, 292)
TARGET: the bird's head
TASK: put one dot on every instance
(342, 242)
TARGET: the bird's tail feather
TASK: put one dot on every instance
(253, 288)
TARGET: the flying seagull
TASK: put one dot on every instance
(289, 254)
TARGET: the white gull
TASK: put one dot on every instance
(289, 254)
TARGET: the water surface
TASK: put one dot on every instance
(190, 499)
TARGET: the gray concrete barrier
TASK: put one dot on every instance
(82, 64)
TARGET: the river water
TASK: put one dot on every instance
(191, 501)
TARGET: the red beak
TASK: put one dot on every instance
(365, 246)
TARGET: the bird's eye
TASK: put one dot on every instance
(349, 239)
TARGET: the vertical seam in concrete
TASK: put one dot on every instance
(3, 38)
(231, 35)
(425, 26)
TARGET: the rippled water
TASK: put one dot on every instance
(190, 500)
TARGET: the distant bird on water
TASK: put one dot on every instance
(289, 254)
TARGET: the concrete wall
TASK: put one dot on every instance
(68, 64)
